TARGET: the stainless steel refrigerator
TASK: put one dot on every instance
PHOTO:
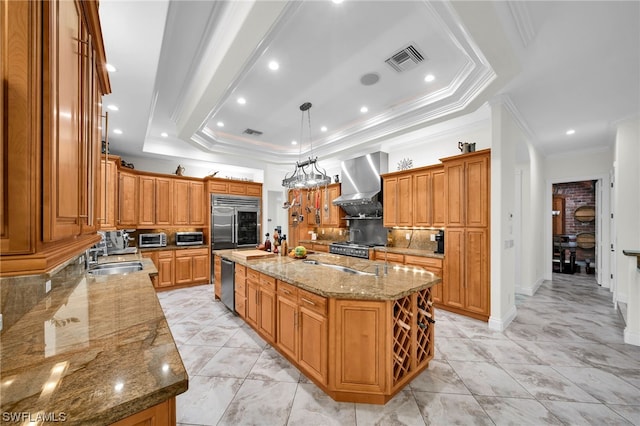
(235, 222)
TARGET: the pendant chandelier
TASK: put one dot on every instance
(307, 174)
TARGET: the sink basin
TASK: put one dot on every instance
(337, 267)
(116, 268)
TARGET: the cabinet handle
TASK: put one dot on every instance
(307, 301)
(285, 291)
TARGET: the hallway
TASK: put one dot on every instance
(562, 361)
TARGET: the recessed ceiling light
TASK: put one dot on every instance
(429, 78)
(294, 142)
(273, 65)
(337, 1)
(113, 107)
(570, 132)
(117, 131)
(323, 128)
(220, 124)
(364, 109)
(111, 68)
(242, 101)
(164, 134)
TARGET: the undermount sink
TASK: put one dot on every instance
(116, 268)
(337, 267)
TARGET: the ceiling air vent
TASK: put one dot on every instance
(405, 59)
(252, 132)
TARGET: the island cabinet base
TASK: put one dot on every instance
(163, 414)
(374, 347)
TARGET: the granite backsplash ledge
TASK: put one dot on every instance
(419, 239)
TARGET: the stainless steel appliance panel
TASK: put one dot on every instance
(223, 227)
(227, 293)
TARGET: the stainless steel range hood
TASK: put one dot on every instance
(362, 186)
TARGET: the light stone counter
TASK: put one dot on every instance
(93, 350)
(327, 282)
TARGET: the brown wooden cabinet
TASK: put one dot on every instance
(261, 304)
(156, 196)
(188, 203)
(52, 83)
(331, 216)
(313, 328)
(398, 200)
(153, 255)
(160, 414)
(437, 197)
(240, 289)
(191, 266)
(467, 189)
(127, 199)
(287, 331)
(217, 278)
(430, 264)
(235, 187)
(108, 190)
(165, 268)
(253, 290)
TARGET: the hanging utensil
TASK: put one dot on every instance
(317, 206)
(326, 202)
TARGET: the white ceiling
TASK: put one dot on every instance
(183, 64)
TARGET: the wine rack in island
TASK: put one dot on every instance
(413, 331)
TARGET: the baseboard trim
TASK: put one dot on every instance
(530, 291)
(500, 324)
(631, 337)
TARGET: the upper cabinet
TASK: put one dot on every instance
(53, 79)
(127, 199)
(414, 197)
(108, 186)
(467, 189)
(234, 187)
(188, 202)
(331, 216)
(155, 201)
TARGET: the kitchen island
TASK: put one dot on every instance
(91, 350)
(359, 334)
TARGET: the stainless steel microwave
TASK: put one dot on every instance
(158, 239)
(189, 238)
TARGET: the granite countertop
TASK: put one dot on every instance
(95, 349)
(399, 282)
(635, 253)
(399, 250)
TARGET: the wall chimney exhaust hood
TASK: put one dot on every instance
(362, 185)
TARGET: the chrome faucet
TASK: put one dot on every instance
(91, 257)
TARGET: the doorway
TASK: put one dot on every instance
(574, 227)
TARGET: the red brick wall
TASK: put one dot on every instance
(577, 194)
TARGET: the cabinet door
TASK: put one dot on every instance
(196, 203)
(153, 255)
(331, 216)
(128, 199)
(313, 348)
(390, 207)
(108, 191)
(217, 273)
(361, 345)
(252, 302)
(477, 191)
(437, 198)
(147, 201)
(200, 264)
(254, 190)
(163, 200)
(183, 269)
(165, 268)
(422, 199)
(454, 268)
(405, 200)
(476, 273)
(267, 314)
(181, 202)
(62, 120)
(454, 193)
(287, 326)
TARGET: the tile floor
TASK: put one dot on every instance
(562, 361)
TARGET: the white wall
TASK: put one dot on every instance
(627, 217)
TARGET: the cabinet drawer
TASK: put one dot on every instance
(254, 190)
(253, 275)
(391, 257)
(191, 252)
(312, 301)
(240, 287)
(267, 282)
(240, 269)
(241, 304)
(426, 262)
(237, 188)
(287, 290)
(164, 254)
(219, 187)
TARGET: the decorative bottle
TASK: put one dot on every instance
(267, 242)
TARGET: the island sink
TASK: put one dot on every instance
(337, 267)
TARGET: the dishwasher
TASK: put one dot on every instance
(227, 292)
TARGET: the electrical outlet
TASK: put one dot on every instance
(80, 259)
(47, 286)
(407, 236)
(0, 322)
(323, 232)
(433, 237)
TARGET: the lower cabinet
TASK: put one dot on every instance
(161, 414)
(179, 267)
(240, 289)
(192, 266)
(430, 264)
(302, 329)
(261, 304)
(217, 277)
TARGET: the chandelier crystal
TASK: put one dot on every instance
(307, 174)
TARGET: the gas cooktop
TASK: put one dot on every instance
(350, 248)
